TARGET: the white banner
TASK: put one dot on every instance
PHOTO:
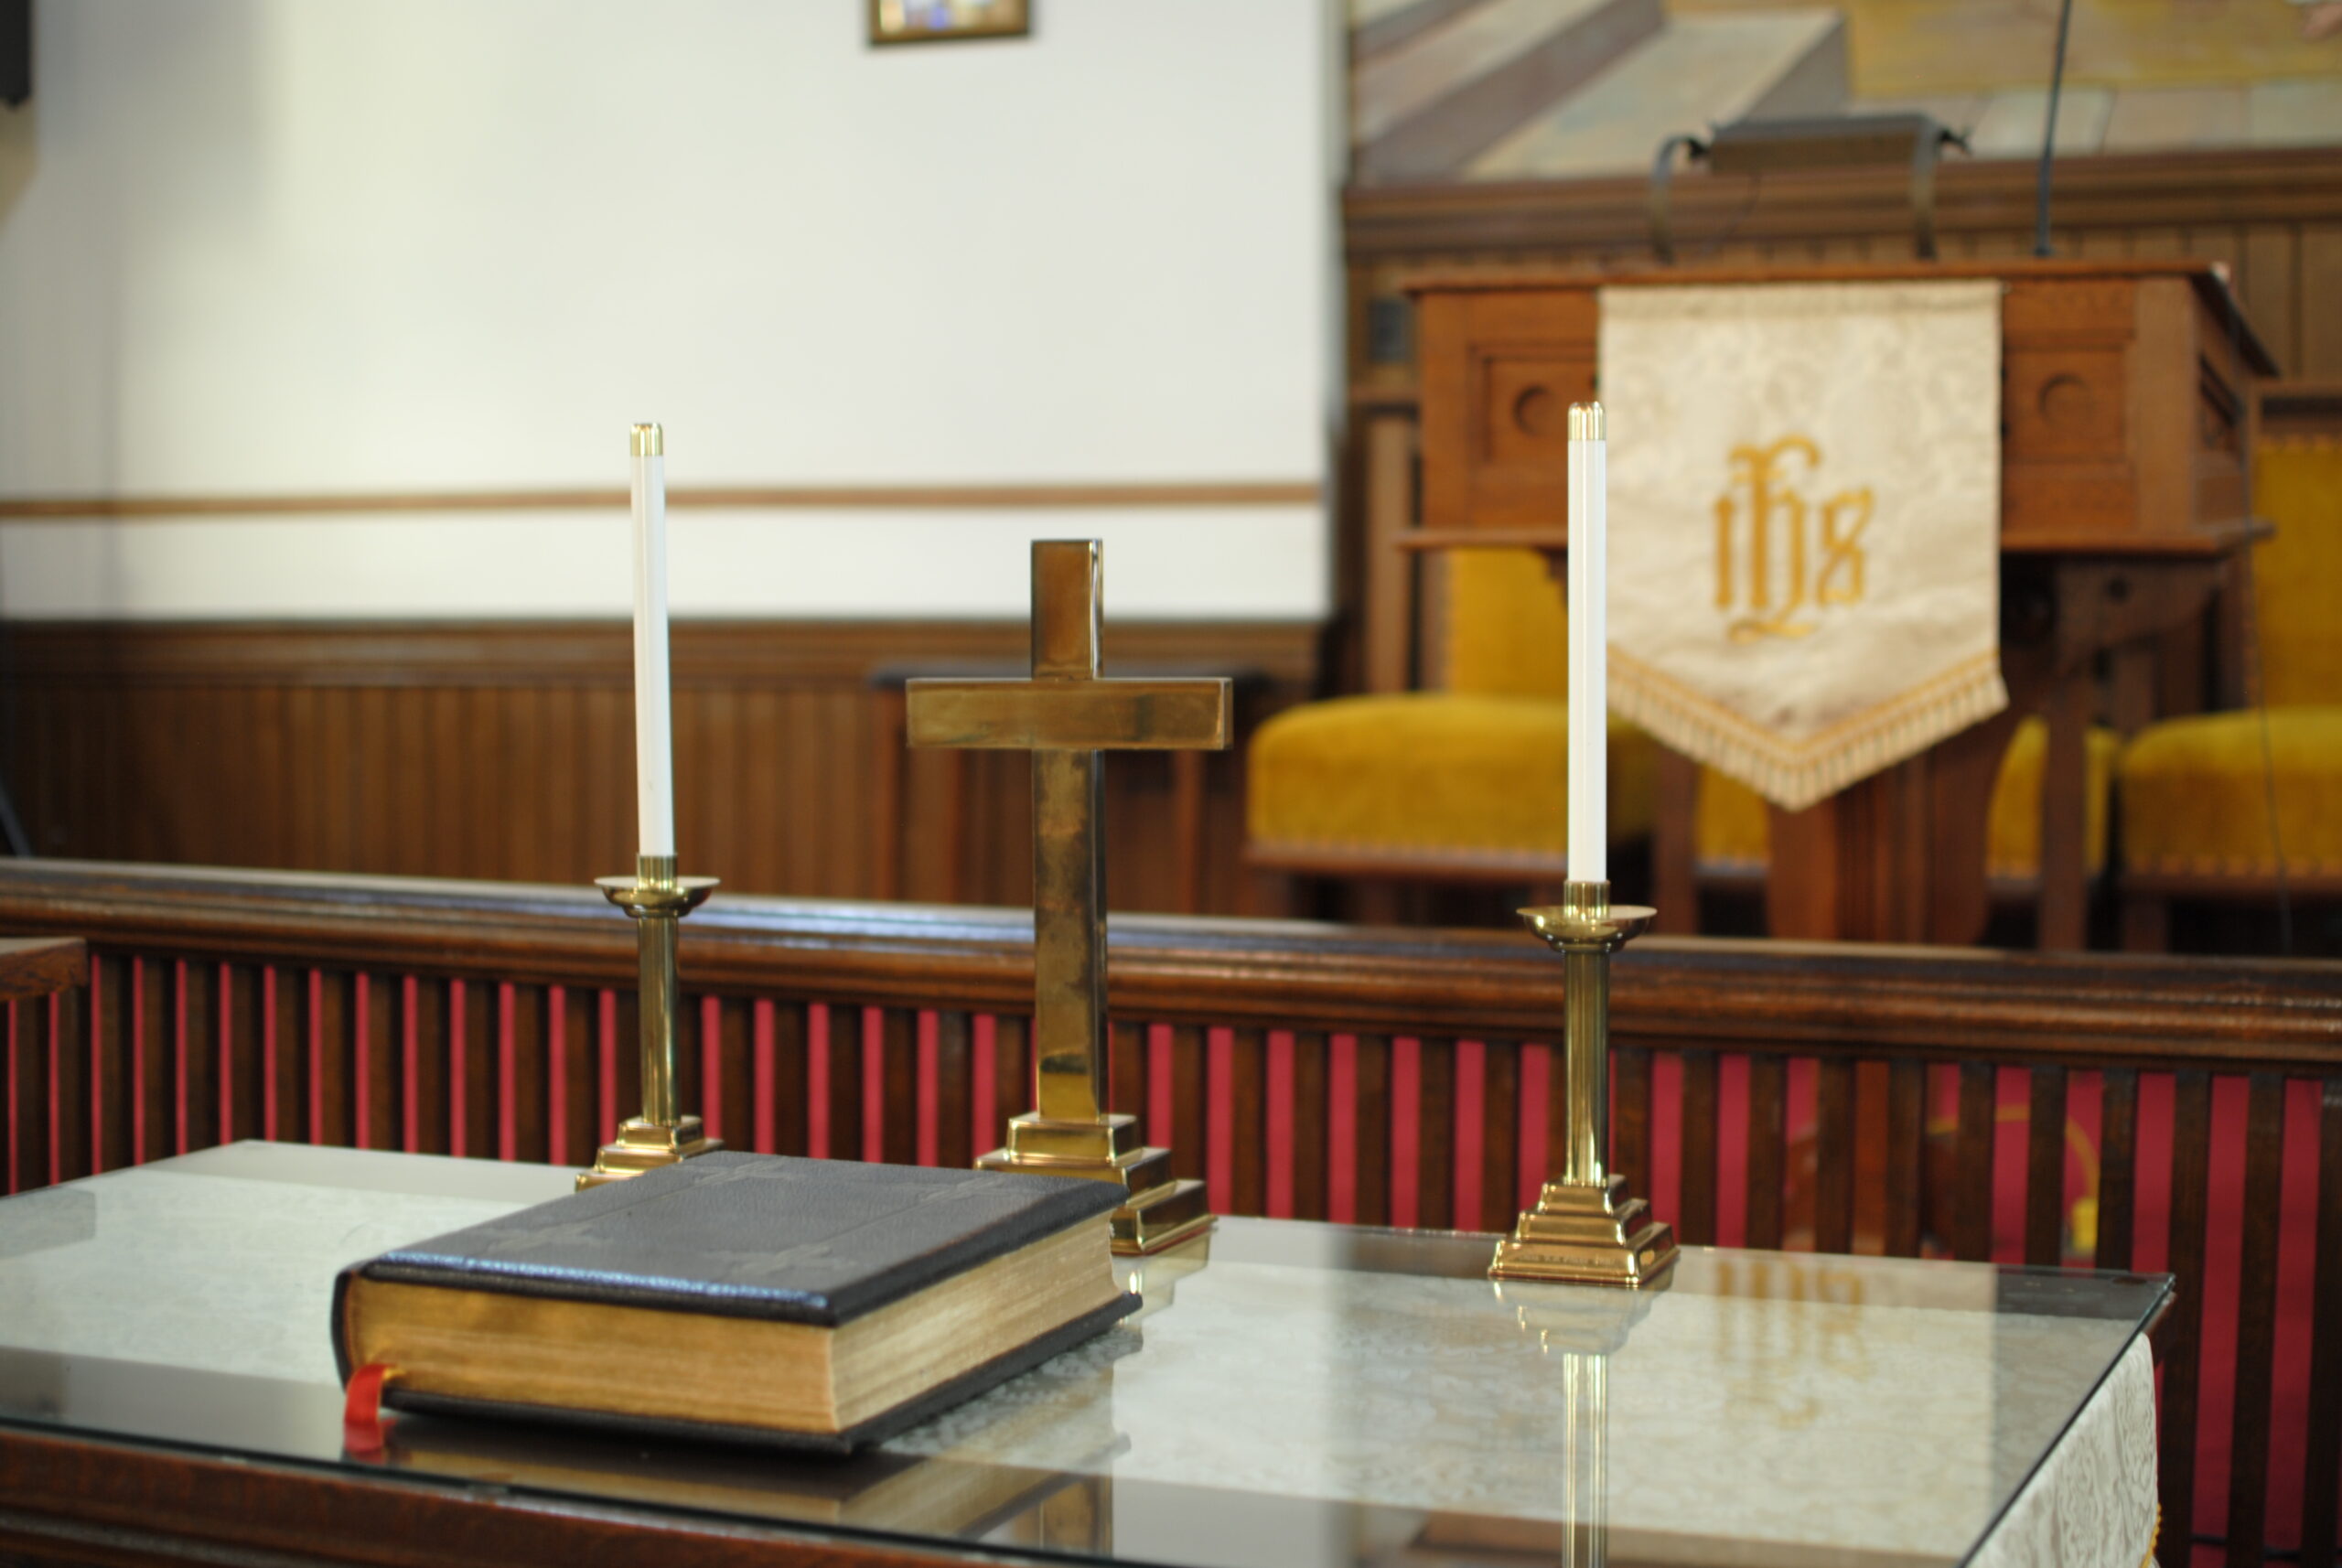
(1804, 522)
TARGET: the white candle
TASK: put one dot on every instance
(654, 742)
(1589, 739)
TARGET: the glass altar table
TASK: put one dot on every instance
(1295, 1394)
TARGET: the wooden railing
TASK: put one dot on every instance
(2104, 1111)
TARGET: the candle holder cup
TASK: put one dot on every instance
(1586, 1228)
(661, 1134)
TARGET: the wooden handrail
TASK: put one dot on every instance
(1821, 999)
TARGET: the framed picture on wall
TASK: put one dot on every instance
(942, 21)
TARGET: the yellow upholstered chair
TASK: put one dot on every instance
(2196, 791)
(1463, 784)
(1732, 828)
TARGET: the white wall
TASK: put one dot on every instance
(293, 247)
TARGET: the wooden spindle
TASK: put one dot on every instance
(195, 1021)
(1906, 1154)
(2322, 1479)
(1309, 1123)
(1190, 1104)
(110, 1047)
(1768, 1148)
(1435, 1135)
(954, 1061)
(69, 1100)
(1499, 1140)
(2256, 1323)
(573, 1029)
(1630, 1115)
(897, 1039)
(154, 1060)
(617, 1060)
(27, 1094)
(2045, 1167)
(241, 1068)
(2118, 1137)
(790, 1109)
(2191, 1144)
(1971, 1185)
(425, 1069)
(1695, 1217)
(522, 1024)
(1013, 1077)
(1833, 1155)
(330, 1024)
(285, 992)
(1248, 1122)
(380, 1063)
(474, 1127)
(840, 1044)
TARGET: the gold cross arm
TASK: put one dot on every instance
(1065, 715)
(1076, 714)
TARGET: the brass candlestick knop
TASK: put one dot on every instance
(1586, 1228)
(657, 898)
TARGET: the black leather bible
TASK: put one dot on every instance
(814, 1304)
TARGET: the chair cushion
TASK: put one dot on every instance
(1734, 830)
(1432, 771)
(2196, 794)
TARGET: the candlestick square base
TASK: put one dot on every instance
(645, 1146)
(1162, 1210)
(1588, 1234)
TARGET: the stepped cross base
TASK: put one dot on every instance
(1588, 1234)
(645, 1146)
(1162, 1210)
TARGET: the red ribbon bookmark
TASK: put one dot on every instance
(361, 1410)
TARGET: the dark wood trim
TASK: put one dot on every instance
(683, 498)
(598, 652)
(1824, 999)
(1612, 215)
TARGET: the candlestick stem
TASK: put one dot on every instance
(661, 1134)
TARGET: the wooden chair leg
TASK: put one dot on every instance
(1675, 887)
(2147, 923)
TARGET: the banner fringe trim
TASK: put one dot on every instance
(1896, 730)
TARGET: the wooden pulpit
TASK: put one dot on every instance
(2123, 503)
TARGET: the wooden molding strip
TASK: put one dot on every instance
(1609, 216)
(974, 498)
(514, 654)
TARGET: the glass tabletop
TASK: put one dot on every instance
(1292, 1393)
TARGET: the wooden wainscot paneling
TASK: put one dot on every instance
(506, 751)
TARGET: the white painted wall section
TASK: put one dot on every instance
(273, 247)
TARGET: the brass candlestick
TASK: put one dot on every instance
(1586, 1228)
(657, 898)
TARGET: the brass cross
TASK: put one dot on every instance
(1067, 715)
